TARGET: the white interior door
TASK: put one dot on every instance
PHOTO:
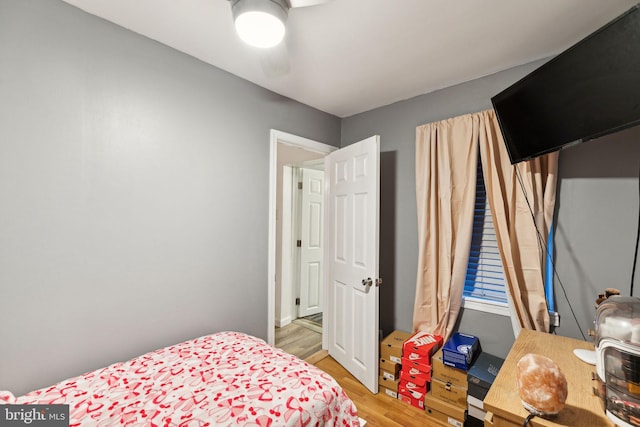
(352, 186)
(311, 288)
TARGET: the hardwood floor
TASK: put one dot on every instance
(298, 340)
(378, 410)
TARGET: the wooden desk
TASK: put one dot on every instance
(582, 407)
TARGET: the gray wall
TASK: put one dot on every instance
(133, 194)
(597, 209)
(597, 222)
(396, 126)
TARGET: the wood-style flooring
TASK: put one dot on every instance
(378, 410)
(298, 340)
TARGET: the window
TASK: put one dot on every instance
(484, 286)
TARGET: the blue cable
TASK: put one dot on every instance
(548, 279)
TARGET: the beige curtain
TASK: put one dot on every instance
(522, 220)
(446, 159)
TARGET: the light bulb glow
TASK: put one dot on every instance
(260, 29)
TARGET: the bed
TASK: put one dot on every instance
(224, 379)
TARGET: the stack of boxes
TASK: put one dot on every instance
(480, 377)
(448, 381)
(448, 390)
(390, 362)
(415, 373)
(447, 400)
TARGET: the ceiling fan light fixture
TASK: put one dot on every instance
(260, 23)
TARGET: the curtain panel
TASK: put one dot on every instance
(522, 202)
(446, 160)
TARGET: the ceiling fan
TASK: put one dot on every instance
(262, 24)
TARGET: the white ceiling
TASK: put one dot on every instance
(350, 56)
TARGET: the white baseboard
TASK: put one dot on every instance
(280, 323)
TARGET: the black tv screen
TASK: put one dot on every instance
(589, 90)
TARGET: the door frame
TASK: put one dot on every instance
(278, 137)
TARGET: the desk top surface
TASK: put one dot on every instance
(582, 406)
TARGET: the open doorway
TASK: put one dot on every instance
(351, 195)
(299, 284)
(296, 193)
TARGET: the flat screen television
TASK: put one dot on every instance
(589, 90)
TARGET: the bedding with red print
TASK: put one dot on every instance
(224, 379)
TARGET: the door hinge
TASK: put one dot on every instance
(297, 301)
(299, 243)
(300, 185)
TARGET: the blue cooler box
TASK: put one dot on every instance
(460, 351)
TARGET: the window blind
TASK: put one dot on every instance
(485, 276)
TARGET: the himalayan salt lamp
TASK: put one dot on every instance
(541, 385)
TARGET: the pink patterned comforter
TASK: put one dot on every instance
(225, 379)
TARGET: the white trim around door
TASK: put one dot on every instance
(277, 138)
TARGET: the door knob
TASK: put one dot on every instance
(367, 282)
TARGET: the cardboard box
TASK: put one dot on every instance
(389, 384)
(447, 374)
(475, 412)
(482, 374)
(388, 392)
(415, 375)
(423, 365)
(449, 393)
(412, 394)
(391, 346)
(411, 400)
(389, 366)
(421, 346)
(477, 391)
(413, 389)
(388, 375)
(445, 412)
(460, 350)
(474, 401)
(473, 422)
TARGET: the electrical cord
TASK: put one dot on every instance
(540, 243)
(635, 256)
(529, 418)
